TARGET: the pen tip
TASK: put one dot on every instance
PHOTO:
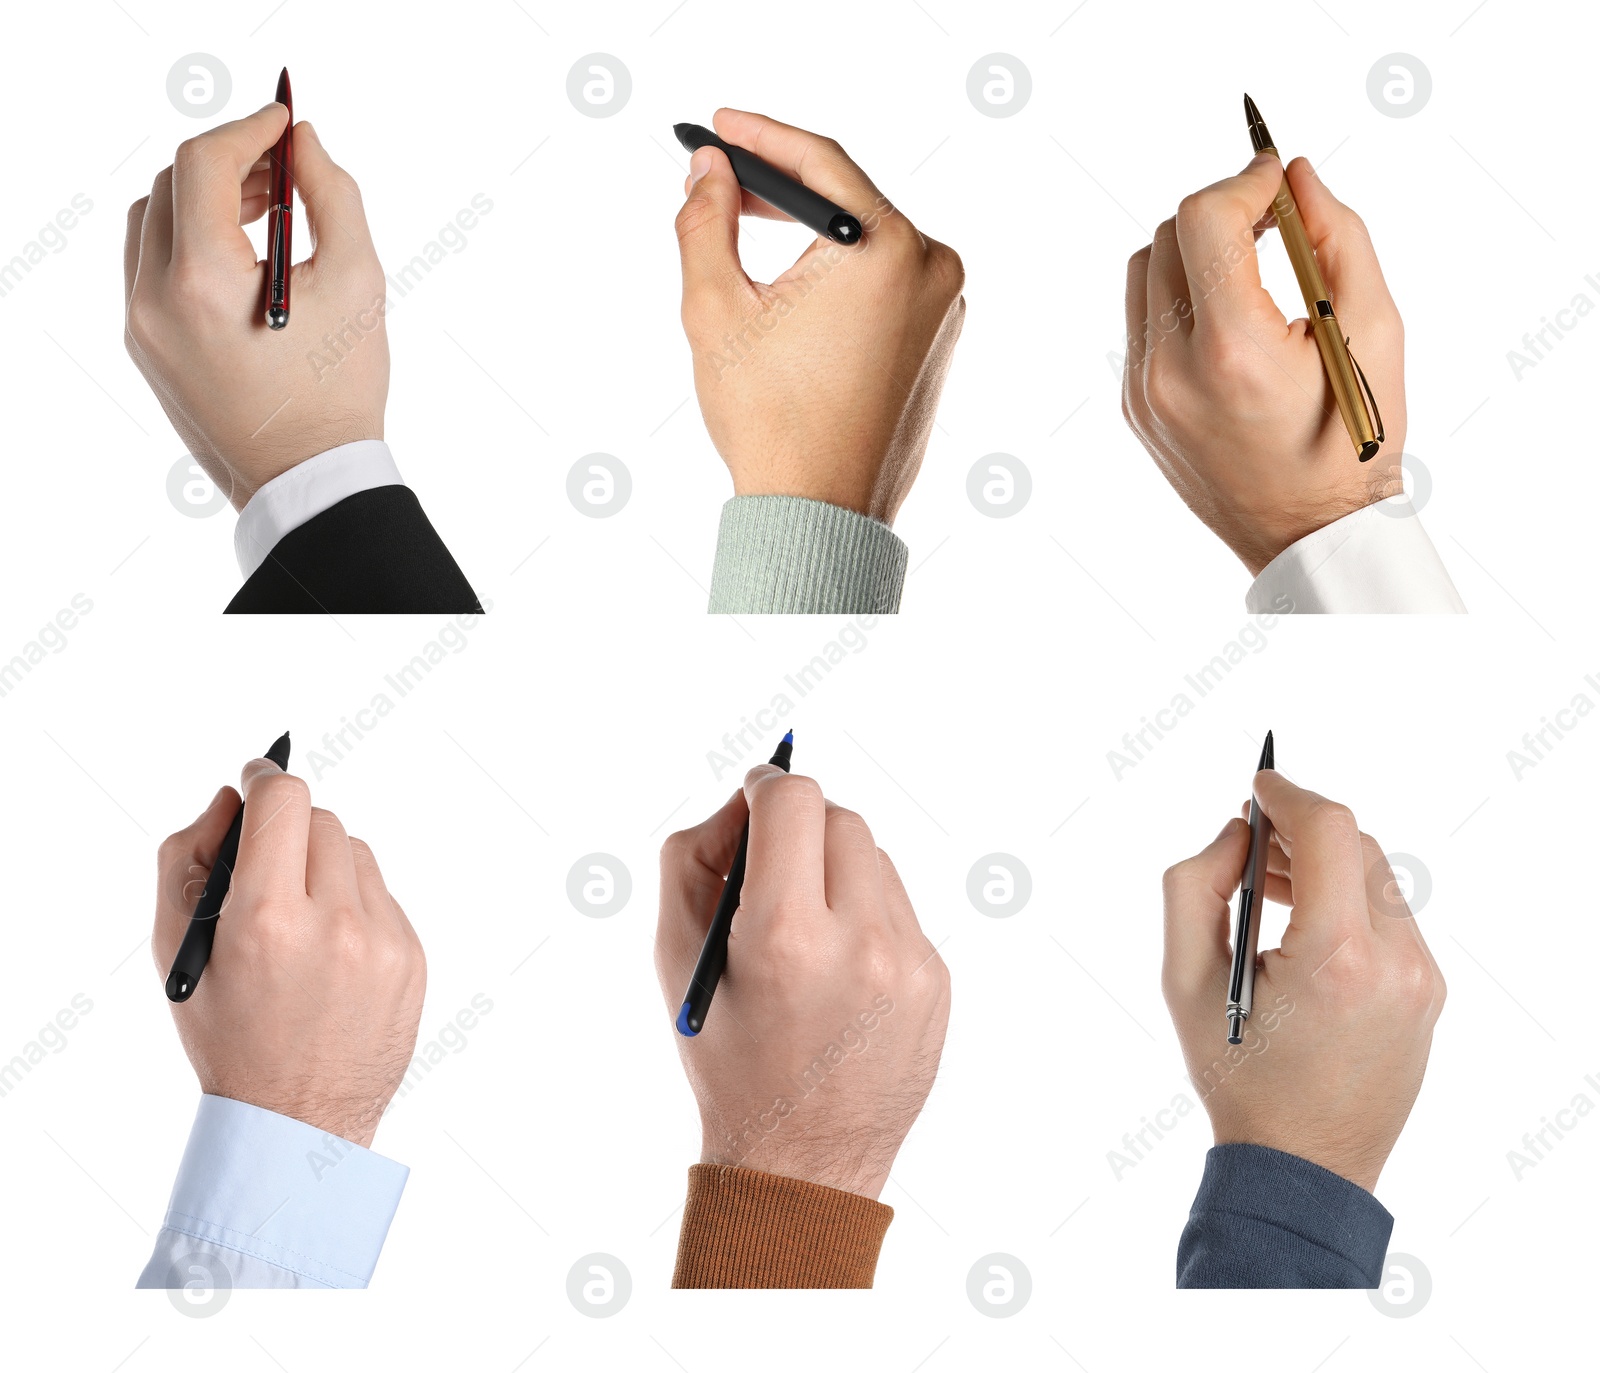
(789, 737)
(1266, 754)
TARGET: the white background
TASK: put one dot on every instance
(580, 714)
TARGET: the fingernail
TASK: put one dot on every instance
(699, 165)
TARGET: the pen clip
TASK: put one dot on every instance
(1369, 399)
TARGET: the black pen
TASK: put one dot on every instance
(714, 952)
(1247, 923)
(192, 954)
(778, 189)
(280, 214)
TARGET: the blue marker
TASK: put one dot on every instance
(714, 952)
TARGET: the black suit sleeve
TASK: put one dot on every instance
(372, 553)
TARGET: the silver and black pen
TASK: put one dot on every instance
(1247, 922)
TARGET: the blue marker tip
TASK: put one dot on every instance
(789, 737)
(683, 1022)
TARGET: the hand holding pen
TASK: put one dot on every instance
(824, 382)
(832, 1000)
(313, 987)
(1231, 399)
(1343, 1011)
(247, 400)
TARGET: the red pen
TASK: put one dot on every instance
(280, 214)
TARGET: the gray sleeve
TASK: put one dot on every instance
(1264, 1218)
(780, 555)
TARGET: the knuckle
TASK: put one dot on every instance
(282, 789)
(194, 154)
(946, 270)
(677, 849)
(1230, 358)
(851, 826)
(1335, 823)
(698, 213)
(797, 790)
(1416, 984)
(1193, 211)
(1163, 385)
(190, 287)
(143, 324)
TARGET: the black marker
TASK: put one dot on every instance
(196, 947)
(1247, 923)
(778, 189)
(714, 952)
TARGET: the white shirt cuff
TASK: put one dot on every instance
(296, 497)
(262, 1200)
(1376, 561)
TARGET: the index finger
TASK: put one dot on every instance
(275, 832)
(1324, 843)
(788, 823)
(809, 158)
(1216, 237)
(208, 174)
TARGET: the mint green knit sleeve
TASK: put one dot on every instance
(786, 555)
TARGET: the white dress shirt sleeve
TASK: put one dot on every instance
(296, 497)
(262, 1200)
(1376, 561)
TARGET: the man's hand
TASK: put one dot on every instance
(310, 1002)
(824, 383)
(1337, 1043)
(250, 402)
(823, 1040)
(1230, 397)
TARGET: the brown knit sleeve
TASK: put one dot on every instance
(743, 1228)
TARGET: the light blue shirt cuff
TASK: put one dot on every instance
(262, 1200)
(298, 496)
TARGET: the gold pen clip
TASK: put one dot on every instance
(1368, 399)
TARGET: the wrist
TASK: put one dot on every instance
(850, 492)
(842, 1170)
(1350, 1161)
(248, 475)
(355, 1121)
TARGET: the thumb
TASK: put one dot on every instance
(708, 237)
(185, 862)
(1195, 896)
(1345, 254)
(334, 212)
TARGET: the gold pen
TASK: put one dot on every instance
(1342, 369)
